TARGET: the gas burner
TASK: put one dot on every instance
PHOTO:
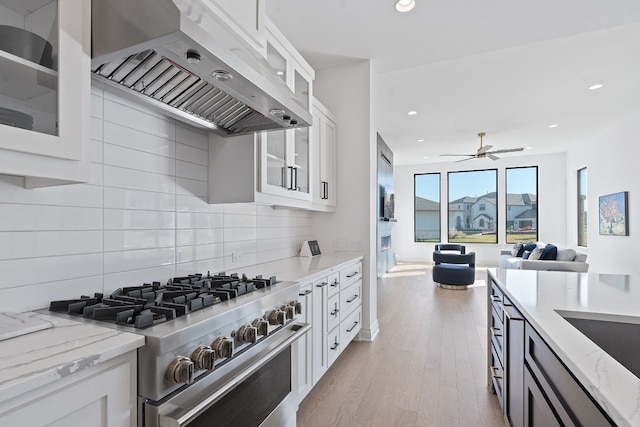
(151, 304)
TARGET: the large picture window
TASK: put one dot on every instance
(582, 207)
(522, 204)
(426, 207)
(473, 202)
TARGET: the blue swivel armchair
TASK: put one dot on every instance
(453, 268)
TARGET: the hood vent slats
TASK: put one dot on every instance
(157, 77)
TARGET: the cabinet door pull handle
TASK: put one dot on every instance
(321, 285)
(295, 174)
(511, 313)
(291, 179)
(335, 312)
(283, 178)
(496, 332)
(496, 298)
(353, 327)
(334, 284)
(355, 273)
(355, 297)
(305, 293)
(495, 373)
(335, 346)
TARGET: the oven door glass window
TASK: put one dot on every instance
(251, 402)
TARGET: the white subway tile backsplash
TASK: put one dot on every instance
(124, 240)
(45, 218)
(20, 272)
(135, 199)
(121, 219)
(143, 216)
(134, 139)
(116, 262)
(138, 180)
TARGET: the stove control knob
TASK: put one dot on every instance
(203, 357)
(297, 305)
(223, 347)
(180, 371)
(246, 334)
(289, 310)
(277, 317)
(262, 326)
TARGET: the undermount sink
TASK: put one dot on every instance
(618, 336)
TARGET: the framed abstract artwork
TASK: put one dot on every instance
(613, 217)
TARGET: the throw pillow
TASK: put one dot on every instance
(536, 253)
(526, 254)
(550, 252)
(567, 254)
(530, 246)
(515, 251)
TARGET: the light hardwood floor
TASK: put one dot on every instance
(426, 367)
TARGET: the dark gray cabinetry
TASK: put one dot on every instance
(513, 402)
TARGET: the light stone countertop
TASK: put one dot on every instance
(542, 295)
(39, 358)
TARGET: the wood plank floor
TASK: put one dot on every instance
(427, 366)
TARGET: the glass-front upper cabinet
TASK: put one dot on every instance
(285, 163)
(44, 87)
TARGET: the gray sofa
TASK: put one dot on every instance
(566, 260)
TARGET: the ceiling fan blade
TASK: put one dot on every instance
(457, 155)
(484, 149)
(492, 157)
(464, 160)
(508, 150)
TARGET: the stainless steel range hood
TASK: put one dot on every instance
(176, 55)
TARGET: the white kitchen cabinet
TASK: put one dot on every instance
(305, 343)
(244, 18)
(102, 396)
(323, 142)
(45, 98)
(319, 328)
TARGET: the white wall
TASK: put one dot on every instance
(143, 216)
(346, 92)
(552, 206)
(611, 158)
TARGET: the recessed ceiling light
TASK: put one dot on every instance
(405, 5)
(528, 148)
(421, 140)
(412, 113)
(426, 157)
(553, 126)
(596, 86)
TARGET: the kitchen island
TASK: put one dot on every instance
(545, 300)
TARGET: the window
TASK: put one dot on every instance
(522, 204)
(426, 207)
(582, 207)
(468, 191)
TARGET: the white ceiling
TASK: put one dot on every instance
(508, 68)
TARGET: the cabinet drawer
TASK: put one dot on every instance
(571, 402)
(496, 297)
(334, 283)
(334, 347)
(496, 374)
(350, 327)
(497, 329)
(333, 314)
(351, 274)
(350, 299)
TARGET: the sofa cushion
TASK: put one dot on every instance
(580, 257)
(536, 253)
(550, 252)
(517, 249)
(566, 254)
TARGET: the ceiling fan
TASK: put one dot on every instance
(483, 152)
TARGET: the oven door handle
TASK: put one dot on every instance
(180, 417)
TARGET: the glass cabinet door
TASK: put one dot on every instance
(29, 65)
(301, 159)
(301, 89)
(276, 158)
(277, 62)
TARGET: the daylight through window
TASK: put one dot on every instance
(473, 201)
(582, 207)
(427, 207)
(522, 204)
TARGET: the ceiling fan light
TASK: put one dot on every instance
(405, 5)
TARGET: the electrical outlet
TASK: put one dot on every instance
(341, 245)
(236, 257)
(356, 245)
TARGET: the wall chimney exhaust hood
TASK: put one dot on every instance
(177, 56)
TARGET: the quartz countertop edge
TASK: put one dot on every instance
(36, 359)
(542, 295)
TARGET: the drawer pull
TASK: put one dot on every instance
(335, 346)
(321, 285)
(305, 293)
(495, 373)
(335, 283)
(353, 327)
(496, 298)
(335, 312)
(355, 273)
(511, 313)
(355, 297)
(496, 332)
